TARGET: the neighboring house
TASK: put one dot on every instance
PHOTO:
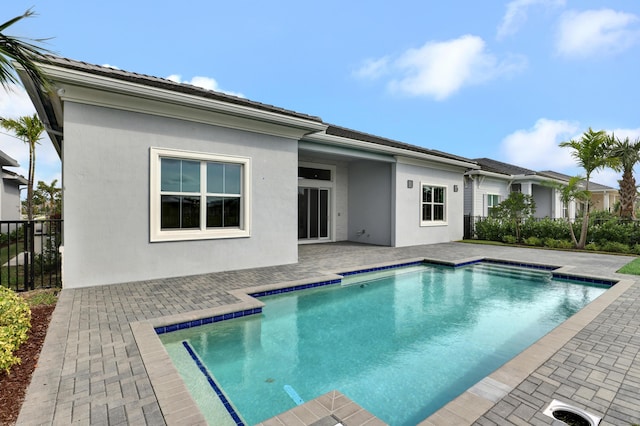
(10, 189)
(164, 179)
(486, 187)
(491, 184)
(603, 198)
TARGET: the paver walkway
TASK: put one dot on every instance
(91, 371)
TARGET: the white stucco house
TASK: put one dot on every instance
(487, 186)
(162, 179)
(10, 189)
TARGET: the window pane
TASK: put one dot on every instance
(214, 212)
(313, 213)
(438, 212)
(170, 212)
(232, 212)
(190, 176)
(438, 195)
(179, 212)
(426, 212)
(232, 180)
(426, 194)
(215, 178)
(324, 213)
(190, 212)
(303, 207)
(170, 175)
(223, 212)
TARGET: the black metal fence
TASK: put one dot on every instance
(470, 226)
(29, 254)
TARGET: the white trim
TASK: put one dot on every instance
(156, 234)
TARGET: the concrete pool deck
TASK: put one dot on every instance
(91, 370)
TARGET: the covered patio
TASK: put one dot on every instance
(92, 370)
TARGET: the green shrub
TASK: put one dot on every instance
(15, 321)
(490, 229)
(509, 239)
(592, 246)
(615, 247)
(565, 244)
(635, 249)
(533, 241)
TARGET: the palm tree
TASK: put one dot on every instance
(573, 190)
(50, 193)
(28, 129)
(590, 152)
(625, 155)
(24, 51)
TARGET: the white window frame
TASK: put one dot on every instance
(156, 233)
(446, 210)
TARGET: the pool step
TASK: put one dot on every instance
(511, 271)
(371, 276)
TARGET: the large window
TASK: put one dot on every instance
(197, 195)
(433, 204)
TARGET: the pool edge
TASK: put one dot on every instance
(172, 393)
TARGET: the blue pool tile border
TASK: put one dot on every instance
(589, 280)
(227, 405)
(207, 320)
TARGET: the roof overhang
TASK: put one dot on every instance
(83, 87)
(387, 152)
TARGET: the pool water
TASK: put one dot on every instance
(400, 343)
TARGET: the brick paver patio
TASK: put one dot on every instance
(91, 370)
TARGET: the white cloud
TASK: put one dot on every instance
(517, 13)
(440, 69)
(204, 82)
(373, 68)
(537, 148)
(15, 103)
(604, 31)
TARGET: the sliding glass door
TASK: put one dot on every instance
(313, 213)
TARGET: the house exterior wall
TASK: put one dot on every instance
(476, 191)
(106, 170)
(407, 214)
(545, 203)
(9, 201)
(370, 202)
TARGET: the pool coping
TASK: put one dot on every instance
(178, 406)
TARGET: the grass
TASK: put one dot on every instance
(631, 268)
(47, 296)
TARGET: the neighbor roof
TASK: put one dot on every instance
(494, 166)
(6, 160)
(366, 137)
(593, 186)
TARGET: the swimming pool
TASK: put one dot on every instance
(401, 343)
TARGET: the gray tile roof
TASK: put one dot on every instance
(163, 83)
(210, 94)
(502, 168)
(593, 186)
(366, 137)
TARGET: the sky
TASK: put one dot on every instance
(507, 80)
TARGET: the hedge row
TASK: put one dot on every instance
(605, 233)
